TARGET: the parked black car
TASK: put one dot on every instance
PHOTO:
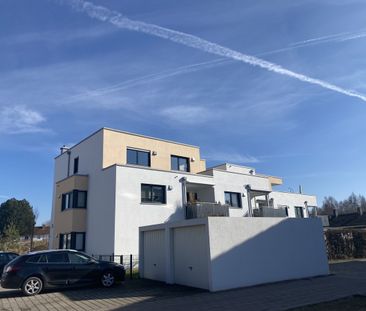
(6, 257)
(58, 268)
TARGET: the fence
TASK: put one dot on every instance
(267, 211)
(345, 243)
(206, 209)
(130, 262)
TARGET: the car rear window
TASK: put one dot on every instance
(33, 259)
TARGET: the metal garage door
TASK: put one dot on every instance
(154, 255)
(191, 256)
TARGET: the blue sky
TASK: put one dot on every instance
(65, 74)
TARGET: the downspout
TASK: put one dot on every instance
(307, 208)
(68, 162)
(183, 180)
(250, 212)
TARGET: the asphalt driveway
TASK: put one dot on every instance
(347, 279)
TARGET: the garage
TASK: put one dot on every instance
(220, 253)
(154, 254)
(190, 259)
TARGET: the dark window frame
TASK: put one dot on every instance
(72, 199)
(177, 158)
(138, 151)
(238, 194)
(76, 165)
(151, 186)
(71, 238)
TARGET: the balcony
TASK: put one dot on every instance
(206, 209)
(269, 211)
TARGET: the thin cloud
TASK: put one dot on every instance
(187, 114)
(117, 19)
(147, 79)
(231, 157)
(19, 120)
(58, 37)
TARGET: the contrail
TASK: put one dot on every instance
(117, 19)
(340, 37)
(322, 38)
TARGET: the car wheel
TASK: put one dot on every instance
(108, 279)
(32, 286)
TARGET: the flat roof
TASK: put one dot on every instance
(129, 133)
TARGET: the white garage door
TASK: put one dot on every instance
(191, 256)
(154, 255)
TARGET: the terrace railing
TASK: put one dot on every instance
(269, 211)
(206, 209)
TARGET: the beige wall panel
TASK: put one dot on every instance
(275, 180)
(115, 146)
(71, 220)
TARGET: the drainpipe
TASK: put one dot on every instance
(267, 200)
(68, 162)
(306, 208)
(250, 211)
(183, 180)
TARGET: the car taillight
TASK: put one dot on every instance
(11, 269)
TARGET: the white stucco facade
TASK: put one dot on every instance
(221, 253)
(115, 211)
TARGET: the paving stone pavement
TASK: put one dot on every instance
(346, 279)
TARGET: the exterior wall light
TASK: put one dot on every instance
(170, 187)
(154, 153)
(193, 159)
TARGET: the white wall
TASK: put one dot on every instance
(236, 168)
(250, 251)
(242, 251)
(130, 213)
(235, 182)
(291, 200)
(101, 192)
(101, 213)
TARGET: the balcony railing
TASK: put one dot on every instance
(206, 209)
(269, 211)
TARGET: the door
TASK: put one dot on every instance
(154, 255)
(57, 268)
(83, 269)
(190, 253)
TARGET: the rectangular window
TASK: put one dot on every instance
(233, 199)
(80, 199)
(76, 165)
(299, 213)
(74, 199)
(67, 201)
(179, 163)
(153, 194)
(79, 241)
(73, 240)
(138, 157)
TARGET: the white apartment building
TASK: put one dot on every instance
(113, 182)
